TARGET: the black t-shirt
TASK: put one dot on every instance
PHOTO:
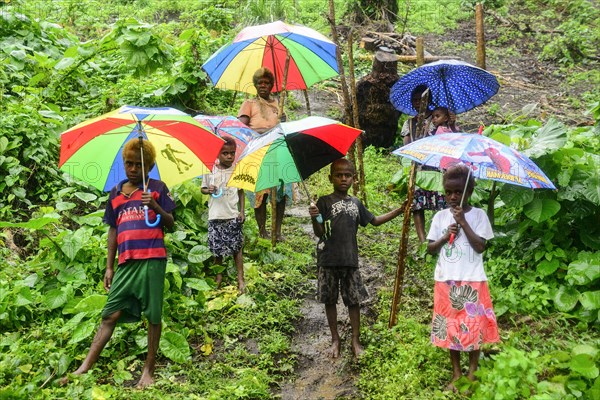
(341, 217)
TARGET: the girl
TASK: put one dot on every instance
(441, 121)
(463, 317)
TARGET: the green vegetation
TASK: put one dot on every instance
(63, 62)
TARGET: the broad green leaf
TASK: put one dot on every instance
(64, 63)
(55, 298)
(546, 267)
(585, 349)
(26, 368)
(590, 300)
(83, 331)
(174, 346)
(514, 196)
(75, 241)
(540, 210)
(585, 269)
(216, 304)
(566, 298)
(547, 139)
(36, 223)
(86, 197)
(65, 205)
(24, 297)
(197, 284)
(92, 303)
(583, 364)
(199, 253)
(429, 180)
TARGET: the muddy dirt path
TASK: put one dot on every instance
(318, 376)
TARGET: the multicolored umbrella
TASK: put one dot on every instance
(312, 57)
(487, 158)
(291, 152)
(92, 150)
(454, 84)
(224, 126)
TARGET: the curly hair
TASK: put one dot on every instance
(459, 172)
(263, 73)
(149, 151)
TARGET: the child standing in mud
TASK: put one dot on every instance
(463, 316)
(335, 221)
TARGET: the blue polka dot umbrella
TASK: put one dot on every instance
(454, 84)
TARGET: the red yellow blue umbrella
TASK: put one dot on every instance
(92, 150)
(312, 57)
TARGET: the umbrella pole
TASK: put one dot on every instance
(139, 127)
(462, 199)
(399, 280)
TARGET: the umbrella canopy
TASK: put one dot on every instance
(291, 152)
(224, 126)
(487, 158)
(92, 150)
(312, 57)
(454, 84)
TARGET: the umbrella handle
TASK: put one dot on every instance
(319, 218)
(148, 223)
(218, 194)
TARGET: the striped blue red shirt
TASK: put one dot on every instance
(135, 239)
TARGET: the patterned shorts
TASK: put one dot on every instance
(225, 237)
(347, 280)
(463, 316)
(428, 200)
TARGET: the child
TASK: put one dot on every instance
(337, 255)
(422, 199)
(442, 121)
(225, 213)
(463, 317)
(137, 286)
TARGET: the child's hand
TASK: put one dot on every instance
(452, 229)
(241, 218)
(459, 215)
(108, 277)
(148, 200)
(313, 210)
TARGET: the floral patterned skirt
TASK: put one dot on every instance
(463, 316)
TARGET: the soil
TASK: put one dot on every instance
(524, 81)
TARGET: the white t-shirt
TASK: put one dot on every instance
(462, 263)
(225, 206)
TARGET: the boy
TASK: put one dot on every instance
(225, 213)
(137, 286)
(337, 253)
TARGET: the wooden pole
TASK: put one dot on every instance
(480, 35)
(361, 192)
(307, 100)
(403, 248)
(340, 64)
(420, 51)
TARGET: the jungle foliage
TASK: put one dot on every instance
(62, 62)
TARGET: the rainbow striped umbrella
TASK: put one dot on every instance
(291, 152)
(312, 57)
(92, 150)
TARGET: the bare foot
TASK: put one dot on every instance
(451, 388)
(241, 286)
(335, 349)
(263, 234)
(280, 238)
(65, 379)
(357, 348)
(145, 381)
(218, 280)
(471, 377)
